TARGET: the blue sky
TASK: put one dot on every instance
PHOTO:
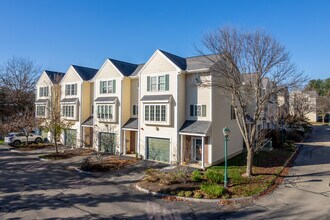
(58, 33)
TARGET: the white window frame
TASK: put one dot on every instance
(43, 91)
(72, 89)
(156, 113)
(107, 87)
(154, 83)
(106, 112)
(69, 111)
(158, 83)
(43, 111)
(198, 110)
(135, 110)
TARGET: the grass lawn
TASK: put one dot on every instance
(2, 142)
(209, 183)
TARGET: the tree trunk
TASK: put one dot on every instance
(56, 148)
(249, 162)
(27, 141)
(323, 116)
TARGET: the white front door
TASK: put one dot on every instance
(196, 149)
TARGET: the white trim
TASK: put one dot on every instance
(130, 129)
(66, 73)
(203, 70)
(193, 134)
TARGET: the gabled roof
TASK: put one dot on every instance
(201, 62)
(178, 61)
(137, 70)
(125, 68)
(54, 76)
(85, 73)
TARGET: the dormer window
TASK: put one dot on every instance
(107, 86)
(71, 89)
(43, 91)
(158, 83)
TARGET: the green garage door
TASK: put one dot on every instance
(107, 142)
(71, 137)
(158, 149)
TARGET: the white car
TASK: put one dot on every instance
(17, 138)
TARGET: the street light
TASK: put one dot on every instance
(226, 132)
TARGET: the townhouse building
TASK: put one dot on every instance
(77, 91)
(44, 94)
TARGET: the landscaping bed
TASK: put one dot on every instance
(66, 154)
(209, 184)
(103, 163)
(32, 147)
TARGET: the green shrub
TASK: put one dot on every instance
(181, 193)
(196, 176)
(182, 174)
(198, 195)
(212, 190)
(213, 176)
(152, 175)
(188, 193)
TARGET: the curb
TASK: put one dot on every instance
(43, 159)
(192, 199)
(81, 171)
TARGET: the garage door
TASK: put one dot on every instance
(71, 137)
(107, 142)
(158, 149)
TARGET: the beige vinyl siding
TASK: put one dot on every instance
(86, 102)
(43, 82)
(156, 66)
(126, 100)
(135, 96)
(197, 95)
(221, 119)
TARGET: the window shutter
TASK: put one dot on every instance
(75, 89)
(203, 110)
(47, 91)
(191, 110)
(148, 83)
(67, 88)
(114, 86)
(167, 82)
(134, 110)
(101, 85)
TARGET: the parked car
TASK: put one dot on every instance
(17, 138)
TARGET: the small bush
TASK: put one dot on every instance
(212, 190)
(182, 174)
(213, 176)
(168, 178)
(198, 195)
(196, 176)
(188, 194)
(289, 147)
(181, 193)
(152, 175)
(294, 136)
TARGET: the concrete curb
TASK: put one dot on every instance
(192, 199)
(81, 171)
(43, 159)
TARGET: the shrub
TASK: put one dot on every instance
(152, 175)
(196, 176)
(289, 146)
(182, 174)
(213, 176)
(198, 195)
(168, 178)
(212, 190)
(275, 136)
(181, 193)
(188, 194)
(294, 136)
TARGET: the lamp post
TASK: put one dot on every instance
(226, 132)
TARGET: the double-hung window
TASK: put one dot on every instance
(43, 91)
(198, 110)
(155, 113)
(108, 86)
(68, 111)
(105, 112)
(41, 110)
(158, 83)
(71, 89)
(135, 110)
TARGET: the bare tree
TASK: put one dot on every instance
(52, 121)
(323, 106)
(301, 104)
(243, 61)
(17, 79)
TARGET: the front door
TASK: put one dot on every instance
(132, 142)
(196, 150)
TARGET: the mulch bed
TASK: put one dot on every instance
(106, 163)
(66, 154)
(32, 147)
